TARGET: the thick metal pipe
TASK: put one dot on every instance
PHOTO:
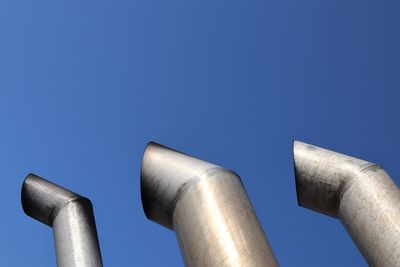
(361, 194)
(206, 206)
(71, 217)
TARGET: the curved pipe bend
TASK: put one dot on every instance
(165, 175)
(323, 175)
(359, 193)
(43, 200)
(207, 208)
(71, 217)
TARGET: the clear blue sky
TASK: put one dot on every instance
(84, 85)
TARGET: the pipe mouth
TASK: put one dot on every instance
(294, 143)
(42, 199)
(165, 175)
(24, 202)
(144, 197)
(316, 185)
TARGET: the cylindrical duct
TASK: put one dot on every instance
(361, 194)
(206, 206)
(71, 217)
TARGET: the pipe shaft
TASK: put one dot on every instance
(370, 211)
(206, 206)
(71, 217)
(359, 193)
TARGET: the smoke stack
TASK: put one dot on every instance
(206, 206)
(71, 217)
(361, 194)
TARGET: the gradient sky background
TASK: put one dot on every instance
(84, 85)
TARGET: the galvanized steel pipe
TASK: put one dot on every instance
(361, 194)
(206, 206)
(71, 217)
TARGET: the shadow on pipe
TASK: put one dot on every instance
(206, 206)
(71, 217)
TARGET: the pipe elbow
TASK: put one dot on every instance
(322, 176)
(43, 200)
(165, 176)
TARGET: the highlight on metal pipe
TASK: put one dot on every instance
(360, 193)
(71, 217)
(207, 207)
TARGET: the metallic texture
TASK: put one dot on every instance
(71, 217)
(206, 206)
(361, 194)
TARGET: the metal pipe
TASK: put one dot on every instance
(71, 217)
(206, 206)
(361, 194)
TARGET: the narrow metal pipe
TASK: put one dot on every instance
(71, 217)
(361, 194)
(206, 206)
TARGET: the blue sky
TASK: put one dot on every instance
(84, 85)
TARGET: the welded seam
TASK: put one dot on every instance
(182, 190)
(59, 205)
(351, 180)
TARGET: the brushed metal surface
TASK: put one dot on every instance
(206, 206)
(359, 193)
(71, 217)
